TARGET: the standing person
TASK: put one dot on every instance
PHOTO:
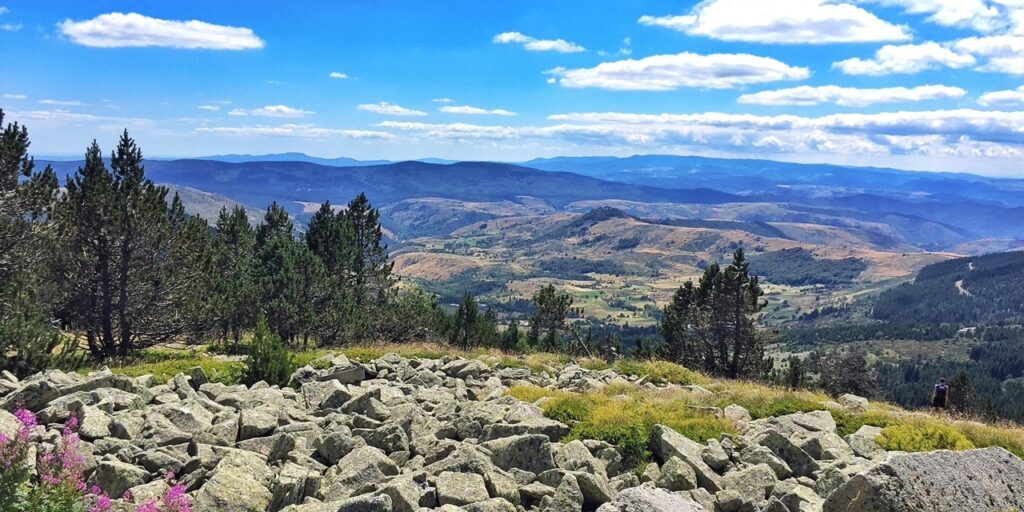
(939, 396)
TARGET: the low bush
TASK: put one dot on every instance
(849, 422)
(660, 372)
(923, 437)
(268, 360)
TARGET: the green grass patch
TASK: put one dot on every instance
(849, 422)
(227, 372)
(660, 372)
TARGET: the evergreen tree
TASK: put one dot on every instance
(551, 309)
(610, 347)
(846, 371)
(289, 276)
(510, 338)
(233, 291)
(132, 263)
(29, 340)
(463, 322)
(710, 326)
(369, 265)
(796, 373)
(962, 396)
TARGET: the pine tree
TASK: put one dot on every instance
(233, 292)
(133, 264)
(710, 325)
(369, 266)
(796, 373)
(551, 309)
(289, 276)
(463, 322)
(510, 338)
(846, 370)
(29, 340)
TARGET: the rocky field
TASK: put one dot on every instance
(397, 434)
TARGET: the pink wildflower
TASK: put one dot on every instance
(26, 417)
(149, 506)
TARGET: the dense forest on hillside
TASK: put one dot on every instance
(972, 290)
(799, 267)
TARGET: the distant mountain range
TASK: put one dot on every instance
(883, 207)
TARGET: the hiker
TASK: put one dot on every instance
(939, 395)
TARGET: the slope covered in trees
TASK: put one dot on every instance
(977, 289)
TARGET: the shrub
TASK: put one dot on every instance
(764, 405)
(268, 360)
(531, 394)
(660, 372)
(923, 437)
(848, 423)
(571, 409)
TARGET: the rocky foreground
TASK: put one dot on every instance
(421, 434)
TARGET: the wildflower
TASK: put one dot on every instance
(26, 417)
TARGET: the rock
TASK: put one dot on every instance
(364, 467)
(238, 484)
(116, 477)
(460, 488)
(9, 424)
(827, 446)
(677, 475)
(815, 421)
(714, 456)
(405, 494)
(641, 499)
(255, 423)
(853, 402)
(567, 498)
(336, 445)
(491, 505)
(796, 497)
(737, 413)
(863, 443)
(292, 485)
(500, 485)
(668, 443)
(799, 461)
(527, 452)
(942, 481)
(757, 454)
(753, 483)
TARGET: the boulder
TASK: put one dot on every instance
(567, 498)
(753, 483)
(239, 483)
(667, 443)
(941, 481)
(116, 477)
(853, 402)
(362, 468)
(460, 488)
(645, 499)
(677, 475)
(527, 452)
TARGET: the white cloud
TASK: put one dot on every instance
(63, 117)
(468, 110)
(1009, 98)
(905, 59)
(538, 45)
(669, 72)
(210, 108)
(974, 14)
(120, 30)
(390, 109)
(237, 112)
(9, 96)
(279, 111)
(10, 27)
(62, 103)
(337, 74)
(4, 10)
(1003, 53)
(458, 130)
(305, 131)
(850, 96)
(443, 100)
(782, 22)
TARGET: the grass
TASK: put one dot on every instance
(164, 364)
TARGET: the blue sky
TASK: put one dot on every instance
(922, 84)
